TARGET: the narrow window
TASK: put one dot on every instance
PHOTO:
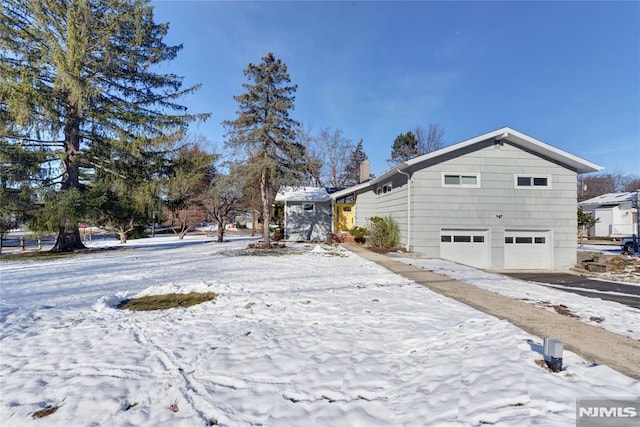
(524, 240)
(445, 238)
(540, 240)
(347, 209)
(307, 206)
(478, 239)
(462, 239)
(461, 180)
(452, 179)
(468, 180)
(532, 181)
(508, 239)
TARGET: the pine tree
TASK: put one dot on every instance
(404, 147)
(352, 171)
(79, 80)
(265, 131)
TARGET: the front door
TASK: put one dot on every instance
(345, 218)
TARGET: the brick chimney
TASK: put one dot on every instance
(365, 171)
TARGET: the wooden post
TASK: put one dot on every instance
(22, 243)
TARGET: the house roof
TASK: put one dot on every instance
(513, 136)
(302, 194)
(610, 199)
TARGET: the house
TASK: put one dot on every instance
(615, 214)
(500, 201)
(307, 213)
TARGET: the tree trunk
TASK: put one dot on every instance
(220, 231)
(266, 208)
(123, 236)
(68, 241)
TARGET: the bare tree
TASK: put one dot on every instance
(429, 140)
(591, 186)
(336, 150)
(224, 195)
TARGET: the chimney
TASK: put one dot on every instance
(364, 171)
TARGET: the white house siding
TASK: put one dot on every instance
(495, 206)
(301, 225)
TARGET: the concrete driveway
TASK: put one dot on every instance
(627, 294)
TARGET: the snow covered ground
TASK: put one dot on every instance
(316, 337)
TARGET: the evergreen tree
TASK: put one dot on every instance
(265, 131)
(352, 171)
(79, 80)
(404, 147)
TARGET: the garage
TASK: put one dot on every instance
(527, 249)
(466, 246)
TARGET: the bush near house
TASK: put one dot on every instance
(358, 233)
(383, 232)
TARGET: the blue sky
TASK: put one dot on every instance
(566, 73)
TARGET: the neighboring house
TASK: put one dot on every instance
(501, 201)
(307, 213)
(615, 214)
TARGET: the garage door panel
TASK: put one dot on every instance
(527, 250)
(469, 247)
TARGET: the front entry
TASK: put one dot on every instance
(344, 216)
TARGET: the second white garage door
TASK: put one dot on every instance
(527, 250)
(469, 247)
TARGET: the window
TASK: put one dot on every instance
(346, 209)
(462, 239)
(532, 181)
(460, 180)
(386, 188)
(478, 239)
(527, 240)
(307, 207)
(540, 240)
(445, 238)
(508, 239)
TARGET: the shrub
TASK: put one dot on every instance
(383, 232)
(358, 233)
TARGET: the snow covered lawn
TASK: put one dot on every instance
(316, 337)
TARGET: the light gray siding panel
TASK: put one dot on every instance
(311, 225)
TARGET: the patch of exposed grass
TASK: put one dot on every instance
(46, 411)
(166, 301)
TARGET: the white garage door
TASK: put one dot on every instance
(469, 247)
(527, 250)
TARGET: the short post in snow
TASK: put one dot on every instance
(553, 353)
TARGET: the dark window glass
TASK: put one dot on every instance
(540, 182)
(445, 238)
(540, 240)
(525, 240)
(508, 239)
(524, 181)
(452, 179)
(347, 209)
(462, 239)
(308, 206)
(478, 239)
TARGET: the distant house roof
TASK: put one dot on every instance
(611, 199)
(302, 194)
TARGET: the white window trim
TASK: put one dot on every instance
(532, 176)
(476, 185)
